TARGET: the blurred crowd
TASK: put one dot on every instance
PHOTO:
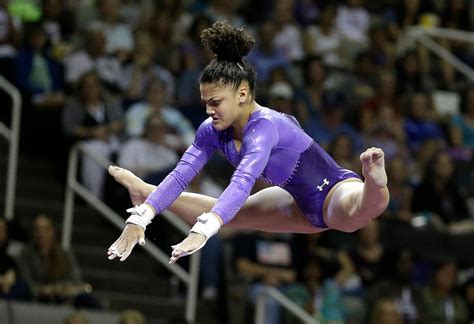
(121, 77)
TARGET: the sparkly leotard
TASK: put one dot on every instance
(275, 148)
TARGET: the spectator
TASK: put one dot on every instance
(288, 36)
(324, 39)
(368, 254)
(353, 22)
(11, 286)
(94, 57)
(148, 156)
(40, 79)
(265, 56)
(420, 123)
(266, 259)
(132, 316)
(332, 122)
(441, 303)
(310, 95)
(281, 97)
(51, 272)
(439, 197)
(341, 149)
(142, 69)
(401, 190)
(119, 38)
(385, 311)
(76, 318)
(224, 10)
(156, 103)
(397, 285)
(95, 119)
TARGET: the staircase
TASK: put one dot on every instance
(140, 282)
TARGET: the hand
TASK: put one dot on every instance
(189, 245)
(131, 235)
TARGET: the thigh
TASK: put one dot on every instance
(272, 210)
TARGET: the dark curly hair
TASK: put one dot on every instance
(230, 45)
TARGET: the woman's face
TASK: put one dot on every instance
(222, 104)
(43, 231)
(91, 88)
(443, 168)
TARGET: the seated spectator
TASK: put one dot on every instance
(94, 57)
(353, 21)
(327, 284)
(341, 149)
(93, 118)
(401, 190)
(288, 37)
(119, 37)
(265, 57)
(266, 259)
(132, 316)
(40, 79)
(420, 123)
(468, 295)
(76, 318)
(324, 39)
(280, 97)
(51, 272)
(385, 311)
(397, 284)
(331, 122)
(156, 103)
(441, 303)
(368, 254)
(438, 196)
(11, 286)
(149, 157)
(142, 68)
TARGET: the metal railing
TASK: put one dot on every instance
(12, 135)
(74, 187)
(425, 36)
(288, 304)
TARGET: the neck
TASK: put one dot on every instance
(239, 125)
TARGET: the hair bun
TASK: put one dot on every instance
(227, 42)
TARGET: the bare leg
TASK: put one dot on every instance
(271, 209)
(352, 204)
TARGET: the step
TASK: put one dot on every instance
(135, 282)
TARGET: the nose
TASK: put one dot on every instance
(209, 110)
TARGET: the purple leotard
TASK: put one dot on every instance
(275, 148)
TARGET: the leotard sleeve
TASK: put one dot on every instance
(192, 161)
(259, 139)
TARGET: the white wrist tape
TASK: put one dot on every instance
(207, 225)
(141, 215)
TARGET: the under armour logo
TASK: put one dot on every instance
(325, 182)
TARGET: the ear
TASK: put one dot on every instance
(243, 94)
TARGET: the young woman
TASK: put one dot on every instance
(311, 193)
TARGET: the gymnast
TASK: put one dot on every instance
(309, 193)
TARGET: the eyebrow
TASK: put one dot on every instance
(210, 99)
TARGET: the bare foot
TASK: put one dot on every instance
(373, 166)
(136, 187)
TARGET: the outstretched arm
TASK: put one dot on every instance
(256, 148)
(193, 160)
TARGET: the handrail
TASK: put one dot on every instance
(423, 36)
(74, 187)
(12, 135)
(270, 292)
